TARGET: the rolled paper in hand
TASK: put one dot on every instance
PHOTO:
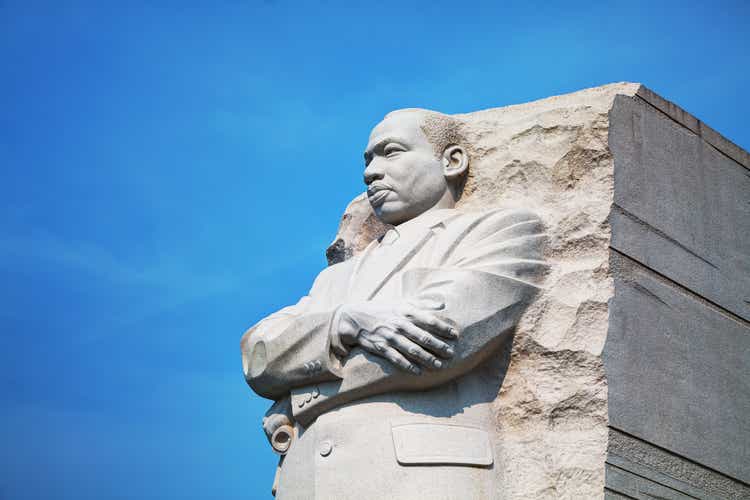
(282, 438)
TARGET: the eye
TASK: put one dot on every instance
(391, 150)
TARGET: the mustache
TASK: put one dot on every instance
(378, 186)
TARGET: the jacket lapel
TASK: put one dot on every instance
(378, 265)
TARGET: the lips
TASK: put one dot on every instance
(378, 198)
(377, 193)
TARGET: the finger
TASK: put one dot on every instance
(414, 352)
(426, 340)
(431, 323)
(382, 349)
(400, 361)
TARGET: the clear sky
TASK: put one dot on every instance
(171, 172)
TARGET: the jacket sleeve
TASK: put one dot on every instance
(483, 285)
(291, 347)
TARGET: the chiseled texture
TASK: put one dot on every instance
(358, 227)
(552, 157)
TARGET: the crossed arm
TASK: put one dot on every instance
(445, 322)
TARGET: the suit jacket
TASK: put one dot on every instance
(368, 429)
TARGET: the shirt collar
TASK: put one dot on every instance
(428, 219)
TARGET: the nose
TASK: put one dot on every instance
(372, 172)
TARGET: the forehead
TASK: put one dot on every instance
(406, 127)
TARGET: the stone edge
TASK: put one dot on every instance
(709, 135)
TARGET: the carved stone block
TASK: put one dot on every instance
(595, 262)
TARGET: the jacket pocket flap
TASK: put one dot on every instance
(448, 444)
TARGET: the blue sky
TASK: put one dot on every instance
(171, 172)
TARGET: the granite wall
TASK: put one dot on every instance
(677, 355)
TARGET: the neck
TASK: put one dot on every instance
(446, 202)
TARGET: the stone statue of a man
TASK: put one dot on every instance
(387, 368)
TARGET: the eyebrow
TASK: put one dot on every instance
(379, 145)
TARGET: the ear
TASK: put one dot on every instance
(455, 161)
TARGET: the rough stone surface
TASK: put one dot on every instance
(358, 227)
(551, 156)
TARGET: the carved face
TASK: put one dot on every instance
(403, 174)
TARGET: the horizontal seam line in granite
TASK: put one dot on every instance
(654, 481)
(674, 454)
(624, 495)
(700, 298)
(661, 234)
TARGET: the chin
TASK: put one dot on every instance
(392, 217)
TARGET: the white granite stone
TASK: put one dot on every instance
(516, 244)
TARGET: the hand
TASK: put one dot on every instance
(279, 414)
(405, 335)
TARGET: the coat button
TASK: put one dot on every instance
(325, 448)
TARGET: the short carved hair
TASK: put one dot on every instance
(440, 129)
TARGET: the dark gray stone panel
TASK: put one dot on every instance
(636, 467)
(682, 206)
(678, 371)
